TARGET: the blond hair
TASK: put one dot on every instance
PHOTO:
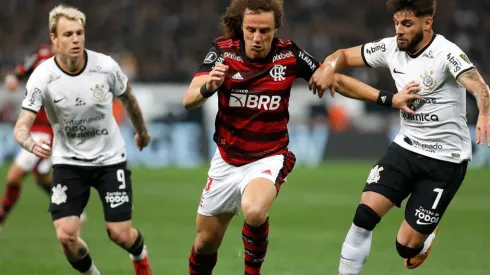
(64, 11)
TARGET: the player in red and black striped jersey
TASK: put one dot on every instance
(25, 161)
(252, 73)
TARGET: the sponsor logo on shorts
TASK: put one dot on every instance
(116, 199)
(426, 217)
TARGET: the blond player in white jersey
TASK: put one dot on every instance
(428, 158)
(76, 87)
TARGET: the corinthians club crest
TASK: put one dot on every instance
(428, 81)
(100, 95)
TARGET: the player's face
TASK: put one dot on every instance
(258, 32)
(409, 30)
(69, 38)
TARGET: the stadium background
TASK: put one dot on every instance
(160, 44)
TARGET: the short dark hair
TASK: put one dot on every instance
(418, 7)
(232, 20)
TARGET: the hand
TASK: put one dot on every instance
(483, 130)
(11, 82)
(42, 148)
(406, 95)
(321, 80)
(142, 140)
(216, 77)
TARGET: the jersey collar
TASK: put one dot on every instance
(80, 72)
(424, 48)
(267, 59)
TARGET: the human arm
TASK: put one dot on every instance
(474, 84)
(355, 89)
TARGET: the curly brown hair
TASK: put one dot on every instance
(232, 20)
(418, 7)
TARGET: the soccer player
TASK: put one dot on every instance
(25, 161)
(252, 73)
(428, 158)
(76, 87)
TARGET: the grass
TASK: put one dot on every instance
(309, 221)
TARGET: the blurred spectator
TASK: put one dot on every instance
(162, 40)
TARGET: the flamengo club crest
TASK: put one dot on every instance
(278, 72)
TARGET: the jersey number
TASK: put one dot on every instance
(121, 179)
(208, 185)
(438, 198)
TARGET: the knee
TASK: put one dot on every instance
(366, 217)
(407, 252)
(254, 214)
(207, 242)
(67, 236)
(120, 235)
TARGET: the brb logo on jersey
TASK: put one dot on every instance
(240, 98)
(278, 72)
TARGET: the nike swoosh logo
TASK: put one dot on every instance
(423, 223)
(114, 205)
(56, 101)
(397, 72)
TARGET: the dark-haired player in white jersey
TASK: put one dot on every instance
(76, 88)
(428, 158)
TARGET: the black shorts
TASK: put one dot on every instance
(71, 190)
(432, 184)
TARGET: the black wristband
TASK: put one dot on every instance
(385, 98)
(204, 91)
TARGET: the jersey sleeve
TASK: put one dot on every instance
(306, 64)
(35, 90)
(118, 79)
(375, 54)
(214, 56)
(456, 62)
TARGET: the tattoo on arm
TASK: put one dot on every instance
(475, 84)
(22, 130)
(134, 111)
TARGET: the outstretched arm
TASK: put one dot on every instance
(355, 89)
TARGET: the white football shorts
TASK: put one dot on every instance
(28, 161)
(226, 183)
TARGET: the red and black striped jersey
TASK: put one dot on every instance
(252, 118)
(24, 70)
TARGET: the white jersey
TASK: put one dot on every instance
(79, 107)
(438, 129)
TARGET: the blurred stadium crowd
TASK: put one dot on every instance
(165, 40)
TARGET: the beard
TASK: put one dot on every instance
(413, 43)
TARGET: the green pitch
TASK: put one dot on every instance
(308, 223)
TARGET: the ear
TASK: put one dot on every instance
(428, 23)
(53, 38)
